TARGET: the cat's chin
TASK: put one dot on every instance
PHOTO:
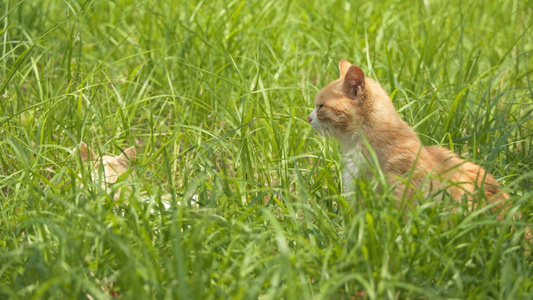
(329, 132)
(320, 130)
(322, 133)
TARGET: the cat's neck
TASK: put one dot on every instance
(395, 145)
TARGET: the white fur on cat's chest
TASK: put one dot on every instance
(353, 159)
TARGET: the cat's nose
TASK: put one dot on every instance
(309, 119)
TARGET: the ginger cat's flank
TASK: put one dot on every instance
(354, 105)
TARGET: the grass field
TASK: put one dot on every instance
(214, 96)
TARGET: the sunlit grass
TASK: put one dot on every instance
(214, 96)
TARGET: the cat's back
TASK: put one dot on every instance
(467, 175)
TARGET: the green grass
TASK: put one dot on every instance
(214, 96)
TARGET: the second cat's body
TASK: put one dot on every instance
(353, 108)
(106, 170)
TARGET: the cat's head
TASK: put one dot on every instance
(109, 167)
(349, 104)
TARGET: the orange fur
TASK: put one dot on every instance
(355, 105)
(107, 169)
(112, 166)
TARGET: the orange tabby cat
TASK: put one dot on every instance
(354, 106)
(112, 166)
(107, 169)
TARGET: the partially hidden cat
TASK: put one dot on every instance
(107, 169)
(354, 108)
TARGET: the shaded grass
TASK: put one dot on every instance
(214, 97)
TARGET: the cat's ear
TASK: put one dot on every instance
(85, 152)
(354, 82)
(128, 154)
(344, 65)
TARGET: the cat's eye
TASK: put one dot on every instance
(319, 107)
